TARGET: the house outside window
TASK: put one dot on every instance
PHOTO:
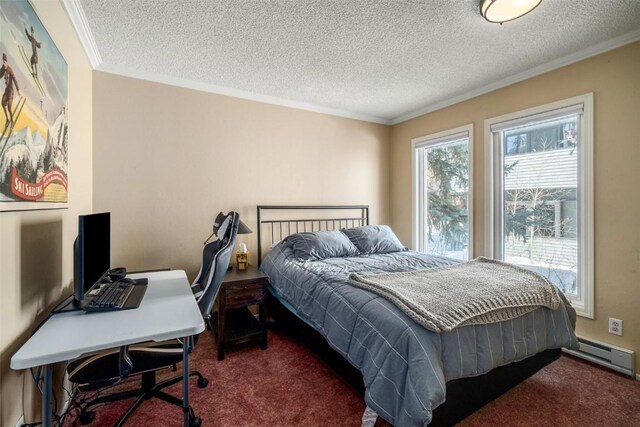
(442, 198)
(539, 186)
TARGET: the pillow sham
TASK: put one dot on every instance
(320, 245)
(374, 239)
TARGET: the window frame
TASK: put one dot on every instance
(417, 172)
(493, 199)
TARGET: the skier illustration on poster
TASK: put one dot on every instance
(35, 45)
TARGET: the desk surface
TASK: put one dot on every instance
(168, 310)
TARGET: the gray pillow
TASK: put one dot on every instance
(374, 239)
(320, 245)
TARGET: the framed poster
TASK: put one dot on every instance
(34, 122)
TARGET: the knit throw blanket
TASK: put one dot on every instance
(476, 292)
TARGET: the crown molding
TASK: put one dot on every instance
(79, 21)
(540, 69)
(237, 93)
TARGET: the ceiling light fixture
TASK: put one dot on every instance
(499, 11)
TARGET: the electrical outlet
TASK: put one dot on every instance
(615, 326)
(20, 421)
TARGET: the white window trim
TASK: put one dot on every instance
(417, 182)
(585, 306)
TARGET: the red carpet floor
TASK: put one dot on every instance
(286, 385)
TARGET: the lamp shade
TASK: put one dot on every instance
(499, 11)
(243, 229)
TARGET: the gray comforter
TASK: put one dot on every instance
(405, 366)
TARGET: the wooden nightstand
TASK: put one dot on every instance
(235, 323)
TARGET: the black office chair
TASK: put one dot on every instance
(106, 368)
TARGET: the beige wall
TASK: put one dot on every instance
(614, 77)
(168, 159)
(36, 249)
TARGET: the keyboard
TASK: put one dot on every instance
(114, 296)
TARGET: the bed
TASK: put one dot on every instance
(408, 374)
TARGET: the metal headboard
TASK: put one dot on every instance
(280, 228)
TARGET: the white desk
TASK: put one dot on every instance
(168, 310)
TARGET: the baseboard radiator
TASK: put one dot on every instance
(616, 358)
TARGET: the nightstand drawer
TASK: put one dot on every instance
(245, 294)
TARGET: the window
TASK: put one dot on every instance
(540, 194)
(442, 201)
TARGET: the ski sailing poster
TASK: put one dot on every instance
(33, 122)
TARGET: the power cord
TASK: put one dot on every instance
(36, 375)
(79, 399)
(69, 395)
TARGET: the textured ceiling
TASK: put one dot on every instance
(374, 59)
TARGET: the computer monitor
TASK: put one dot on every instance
(91, 252)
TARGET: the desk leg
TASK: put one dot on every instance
(185, 379)
(46, 395)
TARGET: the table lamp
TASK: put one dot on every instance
(242, 256)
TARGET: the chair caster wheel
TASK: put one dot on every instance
(195, 422)
(87, 417)
(202, 382)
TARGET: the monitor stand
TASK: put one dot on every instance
(68, 304)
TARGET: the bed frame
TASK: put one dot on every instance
(463, 396)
